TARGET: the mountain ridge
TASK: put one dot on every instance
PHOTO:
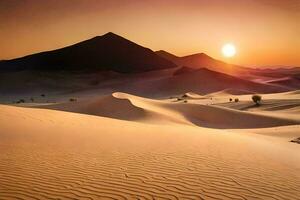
(202, 60)
(107, 52)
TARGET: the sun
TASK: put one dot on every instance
(228, 50)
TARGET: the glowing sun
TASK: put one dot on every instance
(228, 50)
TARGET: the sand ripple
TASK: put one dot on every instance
(58, 155)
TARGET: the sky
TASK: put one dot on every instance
(265, 32)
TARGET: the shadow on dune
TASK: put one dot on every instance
(107, 106)
(132, 108)
(224, 118)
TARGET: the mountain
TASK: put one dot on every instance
(106, 52)
(201, 60)
(168, 56)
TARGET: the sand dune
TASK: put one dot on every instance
(289, 82)
(231, 91)
(119, 106)
(219, 117)
(288, 103)
(202, 81)
(130, 107)
(62, 155)
(194, 95)
(106, 106)
(155, 84)
(123, 146)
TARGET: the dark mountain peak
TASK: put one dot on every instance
(109, 52)
(106, 35)
(111, 35)
(107, 38)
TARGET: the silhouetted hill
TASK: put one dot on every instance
(107, 52)
(167, 55)
(201, 60)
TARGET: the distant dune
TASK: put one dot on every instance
(202, 81)
(153, 84)
(292, 82)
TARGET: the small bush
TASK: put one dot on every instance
(184, 96)
(21, 101)
(43, 95)
(72, 100)
(185, 101)
(256, 99)
(230, 99)
(236, 100)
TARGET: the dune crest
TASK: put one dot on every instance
(130, 107)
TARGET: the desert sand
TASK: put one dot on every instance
(122, 146)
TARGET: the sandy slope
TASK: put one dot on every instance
(123, 146)
(155, 84)
(60, 155)
(129, 107)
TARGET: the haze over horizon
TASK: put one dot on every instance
(264, 32)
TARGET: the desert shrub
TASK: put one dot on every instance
(72, 99)
(43, 95)
(185, 101)
(21, 101)
(230, 99)
(184, 96)
(256, 99)
(236, 100)
(297, 140)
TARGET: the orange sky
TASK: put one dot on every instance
(265, 32)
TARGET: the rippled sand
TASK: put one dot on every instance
(159, 150)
